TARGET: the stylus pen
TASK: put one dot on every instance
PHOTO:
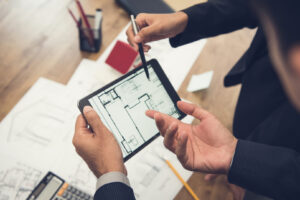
(141, 51)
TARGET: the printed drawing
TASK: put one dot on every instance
(17, 181)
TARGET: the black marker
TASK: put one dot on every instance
(141, 51)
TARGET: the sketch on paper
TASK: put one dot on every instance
(17, 180)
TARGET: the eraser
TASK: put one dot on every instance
(122, 57)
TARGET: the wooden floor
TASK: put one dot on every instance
(39, 38)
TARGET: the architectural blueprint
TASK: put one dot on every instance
(17, 179)
(39, 120)
(39, 130)
(122, 108)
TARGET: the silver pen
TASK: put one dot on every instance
(141, 51)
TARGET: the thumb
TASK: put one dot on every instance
(181, 148)
(93, 119)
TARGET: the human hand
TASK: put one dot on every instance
(99, 149)
(156, 27)
(207, 147)
(237, 191)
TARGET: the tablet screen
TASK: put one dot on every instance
(122, 108)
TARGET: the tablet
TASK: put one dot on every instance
(122, 104)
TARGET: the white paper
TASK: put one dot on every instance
(40, 119)
(176, 62)
(200, 81)
(39, 129)
(17, 178)
(90, 76)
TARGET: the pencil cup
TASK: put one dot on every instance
(90, 39)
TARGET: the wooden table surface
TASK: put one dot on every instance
(39, 39)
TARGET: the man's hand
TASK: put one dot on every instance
(99, 149)
(156, 27)
(207, 147)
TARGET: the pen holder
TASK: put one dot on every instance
(90, 39)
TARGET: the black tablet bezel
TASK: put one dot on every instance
(166, 84)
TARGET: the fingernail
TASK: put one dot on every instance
(137, 39)
(87, 109)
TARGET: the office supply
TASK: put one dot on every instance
(98, 20)
(188, 188)
(122, 57)
(122, 105)
(200, 81)
(86, 24)
(141, 50)
(74, 18)
(135, 7)
(84, 40)
(54, 187)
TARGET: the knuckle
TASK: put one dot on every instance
(166, 144)
(141, 15)
(142, 33)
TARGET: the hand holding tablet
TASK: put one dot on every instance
(122, 104)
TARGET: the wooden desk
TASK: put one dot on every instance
(39, 38)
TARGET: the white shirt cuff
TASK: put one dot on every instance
(111, 177)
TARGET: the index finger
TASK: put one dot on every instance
(162, 121)
(130, 37)
(192, 109)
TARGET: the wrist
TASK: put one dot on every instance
(104, 170)
(182, 21)
(230, 155)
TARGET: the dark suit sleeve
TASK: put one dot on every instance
(213, 18)
(268, 170)
(114, 191)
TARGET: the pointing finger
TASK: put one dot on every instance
(192, 109)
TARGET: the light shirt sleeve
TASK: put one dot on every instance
(111, 177)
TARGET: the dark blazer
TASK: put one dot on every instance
(264, 116)
(114, 191)
(267, 159)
